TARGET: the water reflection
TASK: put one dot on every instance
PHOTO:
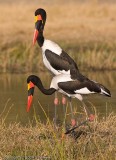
(13, 94)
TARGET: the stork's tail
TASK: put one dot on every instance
(104, 91)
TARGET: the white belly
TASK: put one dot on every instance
(83, 91)
(78, 96)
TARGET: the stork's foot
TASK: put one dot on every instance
(76, 134)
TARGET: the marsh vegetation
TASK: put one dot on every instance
(87, 32)
(97, 141)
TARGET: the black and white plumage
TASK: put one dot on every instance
(55, 59)
(75, 88)
(68, 79)
(64, 84)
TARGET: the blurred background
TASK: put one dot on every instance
(85, 29)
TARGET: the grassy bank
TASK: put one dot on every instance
(87, 33)
(21, 57)
(42, 141)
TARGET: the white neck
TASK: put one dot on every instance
(52, 46)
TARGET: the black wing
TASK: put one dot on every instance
(71, 86)
(65, 56)
(62, 62)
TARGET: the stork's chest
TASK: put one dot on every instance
(48, 65)
(45, 61)
(49, 45)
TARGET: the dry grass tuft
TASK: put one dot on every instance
(97, 143)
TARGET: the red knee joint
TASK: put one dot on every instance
(56, 101)
(91, 117)
(63, 100)
(73, 122)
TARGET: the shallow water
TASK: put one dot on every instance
(13, 98)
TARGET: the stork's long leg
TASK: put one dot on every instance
(73, 122)
(86, 110)
(89, 115)
(55, 105)
(64, 107)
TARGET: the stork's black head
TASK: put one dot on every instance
(32, 81)
(41, 12)
(40, 19)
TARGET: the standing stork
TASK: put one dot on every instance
(55, 59)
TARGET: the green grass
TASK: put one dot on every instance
(42, 140)
(22, 57)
